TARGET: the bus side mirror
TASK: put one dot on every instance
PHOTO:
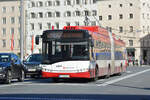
(37, 40)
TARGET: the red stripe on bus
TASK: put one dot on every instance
(71, 75)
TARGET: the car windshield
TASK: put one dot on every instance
(4, 58)
(34, 58)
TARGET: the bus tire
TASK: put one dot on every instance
(109, 72)
(121, 70)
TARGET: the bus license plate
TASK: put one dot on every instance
(64, 76)
(31, 70)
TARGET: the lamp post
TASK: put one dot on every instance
(22, 29)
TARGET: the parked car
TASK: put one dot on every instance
(11, 68)
(32, 67)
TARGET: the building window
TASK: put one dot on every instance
(68, 2)
(12, 20)
(12, 30)
(131, 4)
(147, 16)
(78, 13)
(130, 42)
(121, 5)
(68, 13)
(86, 12)
(109, 29)
(77, 2)
(49, 25)
(4, 20)
(3, 43)
(120, 29)
(57, 25)
(100, 18)
(143, 16)
(40, 15)
(33, 15)
(49, 14)
(32, 4)
(49, 3)
(85, 2)
(12, 9)
(120, 16)
(94, 1)
(131, 28)
(32, 26)
(4, 9)
(94, 13)
(40, 4)
(109, 6)
(40, 26)
(109, 17)
(57, 14)
(57, 3)
(4, 31)
(131, 16)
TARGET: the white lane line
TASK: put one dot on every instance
(128, 72)
(122, 78)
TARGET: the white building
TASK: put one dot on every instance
(43, 14)
(129, 19)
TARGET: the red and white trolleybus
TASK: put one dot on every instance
(81, 52)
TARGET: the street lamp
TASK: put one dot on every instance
(22, 29)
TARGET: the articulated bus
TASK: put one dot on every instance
(81, 52)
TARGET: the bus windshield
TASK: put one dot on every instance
(56, 51)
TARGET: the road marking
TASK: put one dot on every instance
(122, 78)
(128, 72)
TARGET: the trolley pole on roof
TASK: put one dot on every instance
(86, 21)
(22, 29)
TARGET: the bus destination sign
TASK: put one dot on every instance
(59, 34)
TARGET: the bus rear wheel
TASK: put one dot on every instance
(108, 73)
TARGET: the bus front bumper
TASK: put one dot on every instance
(66, 75)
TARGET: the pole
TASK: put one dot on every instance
(22, 29)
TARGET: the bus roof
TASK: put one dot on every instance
(96, 31)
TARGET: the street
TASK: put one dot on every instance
(134, 84)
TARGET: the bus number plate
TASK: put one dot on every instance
(64, 76)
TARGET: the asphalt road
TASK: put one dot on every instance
(134, 84)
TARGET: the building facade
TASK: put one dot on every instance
(10, 26)
(128, 19)
(44, 14)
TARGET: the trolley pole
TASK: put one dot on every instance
(86, 21)
(22, 29)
